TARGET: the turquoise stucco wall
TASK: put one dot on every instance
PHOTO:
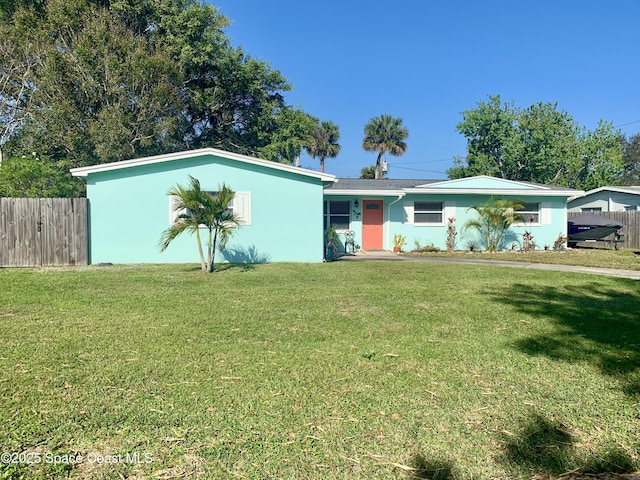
(129, 210)
(394, 220)
(544, 233)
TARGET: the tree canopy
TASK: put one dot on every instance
(323, 142)
(630, 160)
(537, 144)
(370, 173)
(35, 177)
(384, 134)
(95, 81)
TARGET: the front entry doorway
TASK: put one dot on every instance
(372, 222)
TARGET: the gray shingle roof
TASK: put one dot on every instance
(384, 184)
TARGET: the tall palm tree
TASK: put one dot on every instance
(195, 209)
(323, 142)
(384, 134)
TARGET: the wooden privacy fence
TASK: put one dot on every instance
(630, 222)
(43, 231)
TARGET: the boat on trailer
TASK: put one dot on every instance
(594, 228)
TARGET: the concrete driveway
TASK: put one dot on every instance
(384, 256)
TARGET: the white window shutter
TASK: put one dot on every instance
(173, 213)
(545, 214)
(408, 212)
(449, 210)
(242, 207)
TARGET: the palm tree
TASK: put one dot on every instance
(494, 219)
(323, 142)
(369, 172)
(195, 209)
(384, 134)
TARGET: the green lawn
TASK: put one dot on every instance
(343, 370)
(627, 259)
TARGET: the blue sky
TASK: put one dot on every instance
(427, 61)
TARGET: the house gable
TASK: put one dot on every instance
(484, 182)
(205, 154)
(607, 199)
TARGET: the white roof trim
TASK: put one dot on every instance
(529, 185)
(452, 191)
(495, 191)
(85, 171)
(604, 189)
(368, 193)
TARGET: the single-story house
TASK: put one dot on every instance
(285, 211)
(420, 209)
(606, 199)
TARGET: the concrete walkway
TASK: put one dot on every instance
(383, 255)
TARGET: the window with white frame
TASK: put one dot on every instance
(336, 212)
(591, 209)
(530, 213)
(631, 208)
(428, 212)
(240, 205)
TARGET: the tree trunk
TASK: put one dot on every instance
(202, 263)
(212, 251)
(322, 164)
(378, 172)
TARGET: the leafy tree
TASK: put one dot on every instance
(384, 134)
(196, 208)
(75, 82)
(542, 144)
(537, 144)
(495, 217)
(323, 142)
(90, 85)
(36, 177)
(630, 160)
(292, 132)
(488, 129)
(20, 56)
(600, 159)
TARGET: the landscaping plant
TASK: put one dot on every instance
(494, 219)
(195, 209)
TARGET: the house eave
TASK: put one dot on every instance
(486, 191)
(86, 171)
(606, 189)
(364, 193)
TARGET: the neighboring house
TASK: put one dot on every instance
(285, 210)
(607, 199)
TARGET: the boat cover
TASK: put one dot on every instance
(595, 220)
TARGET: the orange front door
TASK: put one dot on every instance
(372, 220)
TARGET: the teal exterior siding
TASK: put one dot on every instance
(419, 210)
(130, 208)
(285, 212)
(551, 224)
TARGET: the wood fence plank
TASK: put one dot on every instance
(80, 232)
(61, 238)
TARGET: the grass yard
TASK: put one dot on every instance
(626, 259)
(335, 371)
